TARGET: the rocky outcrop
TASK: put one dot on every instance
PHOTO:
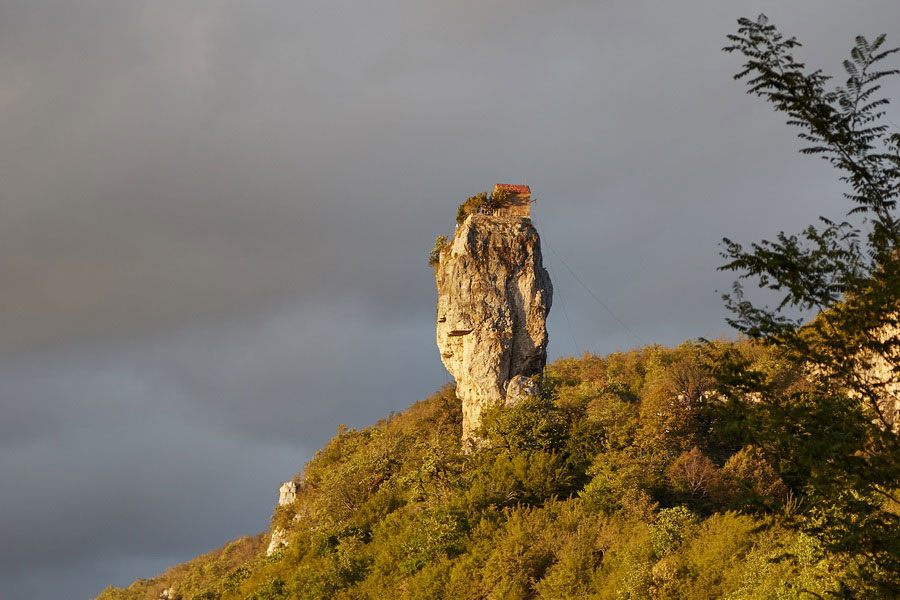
(278, 541)
(287, 495)
(493, 298)
(880, 377)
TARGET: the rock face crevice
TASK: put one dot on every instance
(493, 298)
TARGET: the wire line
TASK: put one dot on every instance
(638, 338)
(565, 312)
(595, 297)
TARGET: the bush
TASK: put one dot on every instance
(434, 257)
(750, 481)
(534, 424)
(672, 526)
(484, 199)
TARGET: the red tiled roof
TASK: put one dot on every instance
(514, 189)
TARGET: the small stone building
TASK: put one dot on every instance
(519, 204)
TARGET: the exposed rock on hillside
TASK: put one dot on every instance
(493, 298)
(278, 540)
(287, 495)
(882, 379)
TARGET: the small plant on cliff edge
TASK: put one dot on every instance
(434, 257)
(488, 200)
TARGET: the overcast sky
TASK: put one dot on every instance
(215, 216)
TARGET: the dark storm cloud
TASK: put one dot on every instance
(215, 217)
(164, 161)
(159, 451)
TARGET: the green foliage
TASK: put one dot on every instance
(421, 535)
(535, 424)
(434, 257)
(273, 589)
(488, 200)
(749, 481)
(484, 200)
(579, 494)
(620, 482)
(233, 580)
(835, 441)
(671, 527)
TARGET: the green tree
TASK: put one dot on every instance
(434, 257)
(835, 440)
(489, 200)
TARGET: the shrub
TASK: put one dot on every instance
(748, 480)
(233, 580)
(534, 424)
(621, 480)
(485, 199)
(434, 257)
(672, 526)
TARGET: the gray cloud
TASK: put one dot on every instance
(161, 450)
(215, 217)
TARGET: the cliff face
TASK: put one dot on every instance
(493, 298)
(881, 376)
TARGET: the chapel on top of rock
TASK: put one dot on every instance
(519, 203)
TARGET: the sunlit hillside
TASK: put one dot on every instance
(630, 477)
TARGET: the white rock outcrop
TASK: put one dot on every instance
(493, 298)
(287, 493)
(278, 540)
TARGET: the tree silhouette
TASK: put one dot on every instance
(835, 440)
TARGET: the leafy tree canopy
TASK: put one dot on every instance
(488, 200)
(837, 438)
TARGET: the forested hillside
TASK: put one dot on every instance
(630, 477)
(767, 467)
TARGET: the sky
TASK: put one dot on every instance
(216, 217)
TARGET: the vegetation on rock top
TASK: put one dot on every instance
(486, 199)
